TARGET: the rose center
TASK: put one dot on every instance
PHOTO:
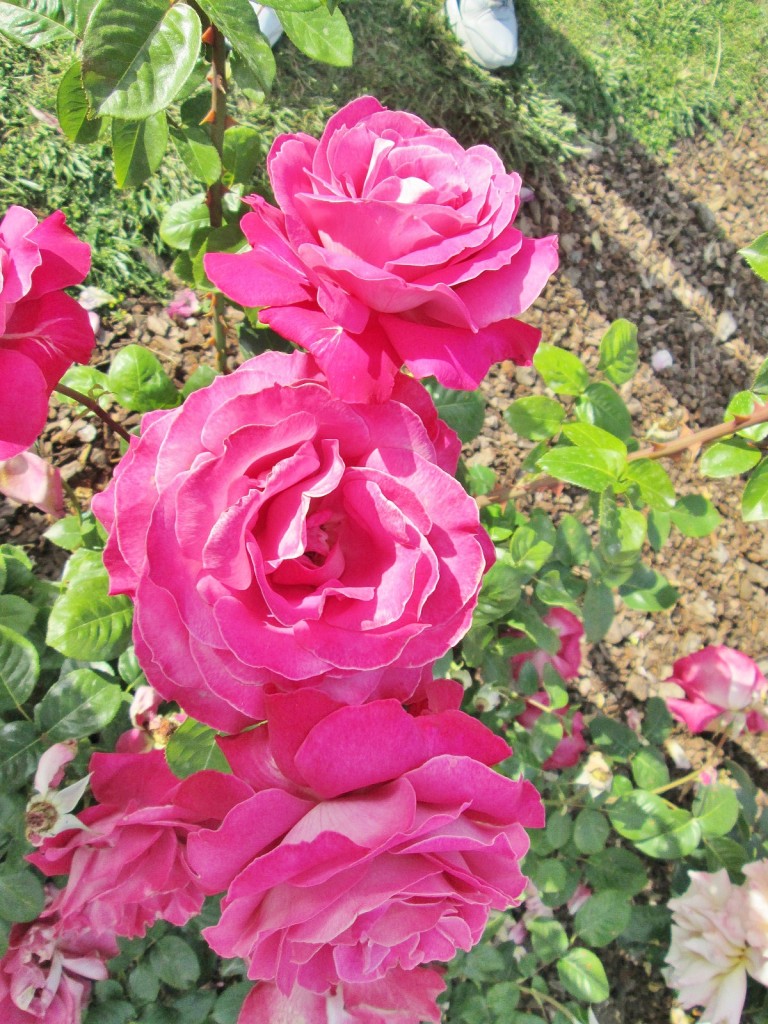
(40, 818)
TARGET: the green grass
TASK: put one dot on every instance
(655, 69)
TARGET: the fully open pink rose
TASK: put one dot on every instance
(270, 533)
(568, 657)
(723, 688)
(570, 748)
(42, 330)
(47, 970)
(375, 840)
(129, 868)
(392, 244)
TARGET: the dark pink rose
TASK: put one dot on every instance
(568, 658)
(375, 840)
(722, 688)
(270, 533)
(401, 997)
(392, 244)
(47, 970)
(570, 748)
(129, 868)
(42, 330)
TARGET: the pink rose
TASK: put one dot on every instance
(568, 658)
(392, 244)
(570, 748)
(402, 997)
(374, 841)
(47, 970)
(270, 533)
(722, 688)
(42, 330)
(30, 480)
(128, 868)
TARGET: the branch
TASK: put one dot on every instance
(217, 118)
(95, 408)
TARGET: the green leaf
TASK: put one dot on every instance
(321, 35)
(622, 534)
(549, 938)
(649, 769)
(143, 984)
(584, 467)
(716, 808)
(728, 458)
(137, 56)
(114, 1011)
(530, 547)
(648, 591)
(238, 21)
(616, 868)
(535, 417)
(183, 220)
(16, 613)
(463, 411)
(201, 377)
(754, 501)
(559, 828)
(659, 527)
(549, 876)
(725, 853)
(590, 831)
(615, 738)
(586, 435)
(583, 976)
(760, 385)
(655, 827)
(88, 624)
(619, 352)
(193, 748)
(598, 611)
(562, 370)
(602, 918)
(195, 1007)
(479, 480)
(604, 407)
(175, 962)
(195, 148)
(80, 703)
(243, 153)
(19, 669)
(695, 516)
(138, 148)
(72, 108)
(230, 1002)
(22, 896)
(36, 23)
(744, 403)
(756, 255)
(573, 545)
(656, 488)
(19, 752)
(139, 382)
(657, 721)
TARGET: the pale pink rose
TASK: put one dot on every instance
(635, 719)
(402, 997)
(128, 867)
(47, 970)
(568, 657)
(756, 894)
(42, 330)
(391, 244)
(723, 689)
(534, 907)
(375, 840)
(270, 533)
(183, 304)
(30, 480)
(570, 748)
(708, 956)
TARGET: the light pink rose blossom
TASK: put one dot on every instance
(709, 956)
(183, 304)
(402, 997)
(47, 970)
(128, 868)
(756, 895)
(390, 244)
(272, 534)
(42, 330)
(567, 660)
(723, 688)
(375, 840)
(30, 480)
(570, 748)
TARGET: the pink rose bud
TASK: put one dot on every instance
(661, 360)
(30, 480)
(390, 244)
(579, 898)
(722, 689)
(568, 657)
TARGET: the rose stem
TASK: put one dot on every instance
(95, 408)
(217, 118)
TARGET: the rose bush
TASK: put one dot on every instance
(374, 840)
(392, 244)
(42, 330)
(272, 534)
(567, 659)
(722, 688)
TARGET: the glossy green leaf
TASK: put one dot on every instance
(139, 382)
(138, 148)
(586, 435)
(612, 736)
(548, 937)
(19, 669)
(463, 411)
(657, 828)
(16, 613)
(72, 108)
(716, 808)
(137, 56)
(88, 624)
(36, 23)
(590, 831)
(648, 591)
(598, 611)
(562, 370)
(535, 417)
(744, 403)
(199, 154)
(573, 544)
(616, 868)
(603, 406)
(243, 153)
(320, 35)
(78, 704)
(729, 458)
(754, 501)
(20, 750)
(238, 21)
(657, 721)
(649, 769)
(695, 516)
(602, 918)
(619, 352)
(175, 962)
(22, 895)
(583, 976)
(756, 255)
(656, 488)
(193, 748)
(583, 467)
(230, 1002)
(479, 480)
(725, 853)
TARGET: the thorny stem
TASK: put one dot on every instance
(546, 998)
(218, 123)
(95, 408)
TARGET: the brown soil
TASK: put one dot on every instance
(655, 243)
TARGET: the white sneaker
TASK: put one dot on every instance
(486, 29)
(269, 23)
